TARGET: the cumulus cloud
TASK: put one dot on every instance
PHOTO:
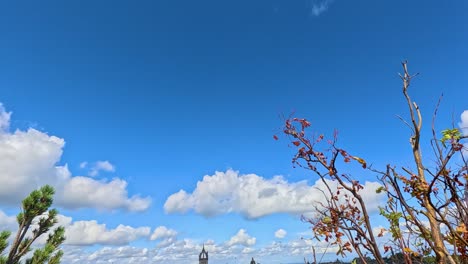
(162, 232)
(254, 196)
(7, 222)
(101, 166)
(29, 159)
(165, 236)
(4, 118)
(79, 192)
(242, 238)
(92, 233)
(280, 233)
(464, 122)
(83, 233)
(116, 255)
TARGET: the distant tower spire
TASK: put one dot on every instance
(203, 257)
(252, 261)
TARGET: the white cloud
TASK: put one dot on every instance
(280, 233)
(80, 192)
(377, 230)
(91, 233)
(83, 164)
(7, 222)
(254, 196)
(297, 247)
(319, 6)
(166, 242)
(464, 122)
(126, 254)
(162, 232)
(87, 233)
(242, 238)
(4, 118)
(28, 160)
(83, 233)
(116, 255)
(101, 166)
(186, 251)
(248, 250)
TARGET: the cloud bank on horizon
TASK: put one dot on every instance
(116, 242)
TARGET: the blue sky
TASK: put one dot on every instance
(152, 96)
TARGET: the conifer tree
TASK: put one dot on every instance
(38, 219)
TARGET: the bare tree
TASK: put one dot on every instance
(430, 201)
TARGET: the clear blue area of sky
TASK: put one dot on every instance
(172, 90)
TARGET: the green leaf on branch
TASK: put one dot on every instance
(450, 134)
